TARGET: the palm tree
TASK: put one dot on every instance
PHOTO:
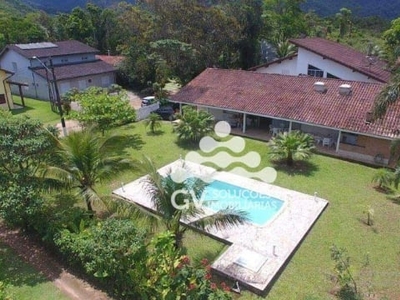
(193, 124)
(383, 177)
(176, 202)
(285, 49)
(388, 95)
(84, 159)
(153, 121)
(291, 146)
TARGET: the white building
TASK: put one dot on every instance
(72, 63)
(318, 57)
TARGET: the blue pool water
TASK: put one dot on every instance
(259, 207)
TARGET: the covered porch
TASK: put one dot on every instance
(329, 141)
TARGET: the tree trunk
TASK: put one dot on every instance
(178, 240)
(289, 159)
(89, 206)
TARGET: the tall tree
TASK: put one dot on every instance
(248, 14)
(102, 109)
(284, 19)
(391, 91)
(25, 146)
(176, 202)
(84, 159)
(79, 26)
(343, 18)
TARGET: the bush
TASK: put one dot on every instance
(171, 275)
(108, 250)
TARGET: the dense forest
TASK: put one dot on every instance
(387, 9)
(177, 39)
(51, 6)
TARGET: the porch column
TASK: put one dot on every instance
(244, 123)
(338, 141)
(290, 126)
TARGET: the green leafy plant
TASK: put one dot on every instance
(383, 177)
(369, 211)
(172, 276)
(153, 121)
(294, 145)
(102, 109)
(344, 274)
(193, 124)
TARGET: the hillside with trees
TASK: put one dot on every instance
(15, 7)
(387, 9)
(51, 6)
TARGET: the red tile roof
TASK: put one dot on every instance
(291, 98)
(114, 60)
(346, 56)
(63, 48)
(78, 70)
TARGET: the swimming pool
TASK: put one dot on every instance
(260, 207)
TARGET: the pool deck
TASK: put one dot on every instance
(264, 249)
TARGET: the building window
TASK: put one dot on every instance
(349, 138)
(90, 80)
(14, 66)
(2, 99)
(329, 75)
(314, 71)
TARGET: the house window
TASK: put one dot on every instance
(2, 99)
(14, 66)
(314, 71)
(349, 138)
(329, 75)
(90, 80)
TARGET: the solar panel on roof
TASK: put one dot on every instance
(36, 46)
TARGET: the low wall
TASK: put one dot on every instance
(143, 112)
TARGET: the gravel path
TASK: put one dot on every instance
(36, 255)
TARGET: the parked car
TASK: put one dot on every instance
(166, 112)
(148, 100)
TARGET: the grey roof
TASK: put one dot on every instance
(62, 48)
(78, 70)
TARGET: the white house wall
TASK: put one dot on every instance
(286, 67)
(93, 80)
(306, 57)
(16, 63)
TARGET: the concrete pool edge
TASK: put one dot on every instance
(278, 240)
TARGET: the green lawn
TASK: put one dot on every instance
(37, 109)
(24, 282)
(348, 188)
